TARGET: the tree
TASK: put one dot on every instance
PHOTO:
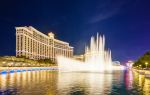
(142, 60)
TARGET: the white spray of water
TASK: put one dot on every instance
(97, 59)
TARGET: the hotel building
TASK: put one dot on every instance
(33, 44)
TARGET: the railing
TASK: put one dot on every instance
(4, 70)
(146, 73)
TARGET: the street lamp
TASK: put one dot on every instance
(139, 66)
(146, 63)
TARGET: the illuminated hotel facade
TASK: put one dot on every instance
(33, 44)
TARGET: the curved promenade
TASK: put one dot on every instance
(146, 73)
(4, 70)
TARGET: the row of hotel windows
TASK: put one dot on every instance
(50, 41)
(35, 35)
(27, 39)
(30, 55)
(36, 47)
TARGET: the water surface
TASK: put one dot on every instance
(54, 83)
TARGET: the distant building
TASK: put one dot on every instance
(79, 57)
(129, 64)
(33, 44)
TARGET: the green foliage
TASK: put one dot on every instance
(142, 60)
(46, 61)
(23, 60)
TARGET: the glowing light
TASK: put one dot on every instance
(146, 63)
(129, 64)
(4, 62)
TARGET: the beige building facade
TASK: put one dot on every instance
(33, 44)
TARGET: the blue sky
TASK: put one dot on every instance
(125, 23)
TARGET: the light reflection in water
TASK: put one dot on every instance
(3, 81)
(129, 79)
(146, 87)
(141, 80)
(54, 83)
(12, 77)
(91, 83)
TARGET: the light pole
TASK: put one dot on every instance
(140, 66)
(146, 63)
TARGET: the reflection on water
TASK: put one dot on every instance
(54, 83)
(87, 83)
(26, 83)
(129, 80)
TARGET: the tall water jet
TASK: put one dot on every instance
(96, 54)
(97, 59)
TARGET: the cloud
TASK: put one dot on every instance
(106, 10)
(103, 16)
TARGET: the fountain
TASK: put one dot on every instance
(97, 59)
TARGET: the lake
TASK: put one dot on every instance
(79, 83)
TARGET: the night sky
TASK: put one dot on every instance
(125, 23)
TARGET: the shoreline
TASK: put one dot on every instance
(4, 70)
(146, 73)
